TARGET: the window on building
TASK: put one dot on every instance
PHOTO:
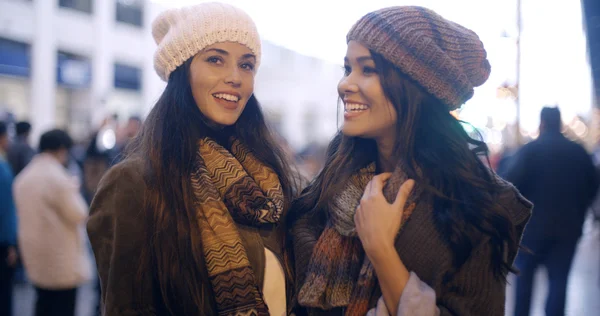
(72, 98)
(74, 71)
(79, 5)
(15, 95)
(15, 58)
(15, 68)
(128, 77)
(130, 12)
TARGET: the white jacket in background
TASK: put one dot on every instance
(52, 216)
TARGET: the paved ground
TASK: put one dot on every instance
(583, 294)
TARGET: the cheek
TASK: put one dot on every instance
(371, 90)
(200, 101)
(248, 85)
(385, 117)
(199, 86)
(382, 107)
(195, 70)
(391, 115)
(247, 89)
(201, 79)
(383, 114)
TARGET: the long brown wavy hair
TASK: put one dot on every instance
(167, 144)
(433, 141)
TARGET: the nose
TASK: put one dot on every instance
(234, 77)
(347, 85)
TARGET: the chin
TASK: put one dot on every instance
(227, 120)
(352, 132)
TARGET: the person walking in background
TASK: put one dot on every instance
(559, 177)
(52, 215)
(8, 228)
(134, 124)
(20, 152)
(95, 164)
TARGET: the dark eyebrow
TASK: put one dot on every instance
(226, 53)
(249, 56)
(220, 51)
(364, 58)
(360, 59)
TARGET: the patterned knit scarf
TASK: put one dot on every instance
(233, 187)
(339, 274)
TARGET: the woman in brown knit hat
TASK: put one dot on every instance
(190, 223)
(405, 219)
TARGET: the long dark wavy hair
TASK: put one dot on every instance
(167, 144)
(452, 171)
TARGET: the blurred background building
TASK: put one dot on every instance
(591, 12)
(76, 64)
(69, 63)
(72, 63)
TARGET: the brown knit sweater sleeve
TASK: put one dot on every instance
(304, 237)
(474, 290)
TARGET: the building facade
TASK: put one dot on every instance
(71, 63)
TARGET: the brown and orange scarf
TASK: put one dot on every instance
(339, 274)
(233, 186)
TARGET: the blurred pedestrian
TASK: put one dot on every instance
(8, 228)
(20, 152)
(52, 215)
(130, 131)
(559, 177)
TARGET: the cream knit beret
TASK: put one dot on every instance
(182, 32)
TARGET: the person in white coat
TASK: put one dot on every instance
(52, 217)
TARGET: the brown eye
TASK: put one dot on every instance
(369, 70)
(215, 60)
(248, 66)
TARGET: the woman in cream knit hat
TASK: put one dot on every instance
(405, 219)
(190, 222)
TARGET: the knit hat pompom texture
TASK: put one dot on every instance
(447, 59)
(183, 32)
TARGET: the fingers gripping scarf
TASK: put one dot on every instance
(339, 274)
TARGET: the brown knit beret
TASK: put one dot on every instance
(447, 59)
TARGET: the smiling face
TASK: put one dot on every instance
(367, 111)
(222, 81)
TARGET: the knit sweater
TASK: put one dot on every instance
(473, 290)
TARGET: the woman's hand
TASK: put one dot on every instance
(377, 221)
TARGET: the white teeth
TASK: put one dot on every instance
(228, 97)
(355, 107)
